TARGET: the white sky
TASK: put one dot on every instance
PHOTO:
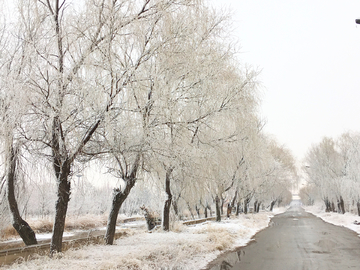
(309, 53)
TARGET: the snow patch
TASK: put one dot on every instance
(346, 220)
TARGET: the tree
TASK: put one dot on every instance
(325, 170)
(68, 73)
(11, 114)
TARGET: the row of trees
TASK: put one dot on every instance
(333, 167)
(149, 89)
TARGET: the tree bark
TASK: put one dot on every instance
(118, 198)
(63, 198)
(238, 205)
(272, 205)
(327, 205)
(228, 210)
(218, 212)
(21, 226)
(166, 212)
(205, 211)
(255, 206)
(197, 209)
(246, 204)
(222, 205)
(257, 210)
(341, 205)
(358, 208)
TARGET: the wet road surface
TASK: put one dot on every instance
(296, 240)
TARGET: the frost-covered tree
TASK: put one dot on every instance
(70, 50)
(325, 169)
(13, 105)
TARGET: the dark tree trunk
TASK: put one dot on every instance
(231, 205)
(258, 207)
(218, 212)
(20, 225)
(197, 209)
(63, 198)
(272, 205)
(238, 205)
(358, 208)
(333, 209)
(246, 204)
(255, 206)
(119, 197)
(327, 205)
(166, 212)
(342, 205)
(228, 210)
(205, 211)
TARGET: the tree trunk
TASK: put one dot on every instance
(20, 225)
(341, 205)
(166, 212)
(205, 211)
(63, 198)
(246, 202)
(333, 209)
(197, 209)
(358, 208)
(327, 205)
(222, 205)
(218, 212)
(118, 198)
(255, 206)
(257, 210)
(238, 205)
(228, 210)
(272, 205)
(234, 199)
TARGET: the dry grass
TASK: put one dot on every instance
(8, 233)
(45, 225)
(85, 222)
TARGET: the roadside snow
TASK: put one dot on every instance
(346, 220)
(187, 247)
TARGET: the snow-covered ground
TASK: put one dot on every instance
(346, 220)
(186, 247)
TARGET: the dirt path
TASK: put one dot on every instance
(296, 240)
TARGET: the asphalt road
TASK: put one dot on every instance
(296, 240)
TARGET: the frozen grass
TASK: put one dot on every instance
(346, 220)
(188, 248)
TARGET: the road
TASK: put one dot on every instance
(296, 240)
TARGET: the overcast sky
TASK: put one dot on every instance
(309, 53)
